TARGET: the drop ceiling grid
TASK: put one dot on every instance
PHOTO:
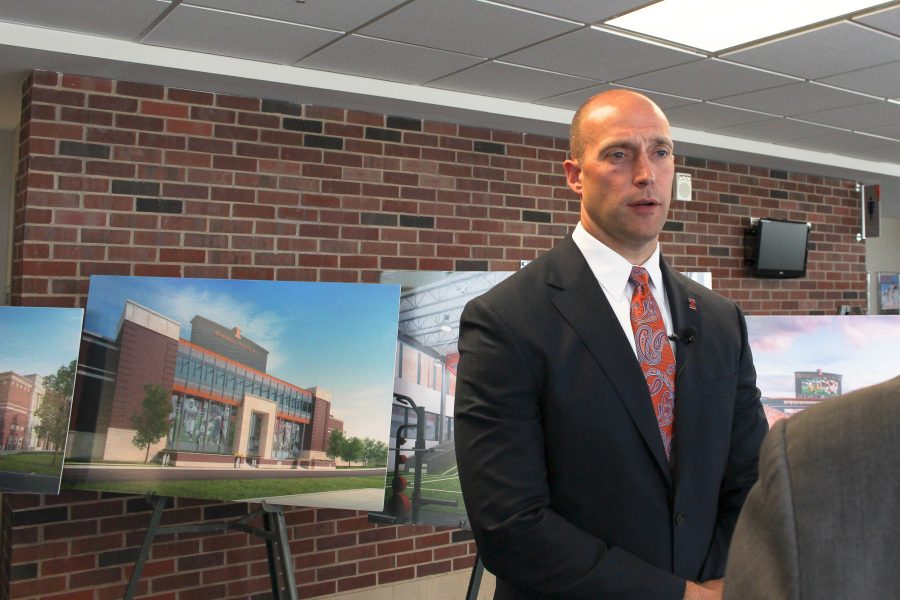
(228, 34)
(383, 59)
(534, 51)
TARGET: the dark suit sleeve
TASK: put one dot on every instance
(748, 429)
(500, 448)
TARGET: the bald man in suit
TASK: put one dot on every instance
(573, 485)
(823, 522)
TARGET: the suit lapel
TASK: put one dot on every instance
(684, 308)
(583, 304)
(686, 311)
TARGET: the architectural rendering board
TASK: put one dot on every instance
(803, 360)
(37, 372)
(431, 303)
(235, 390)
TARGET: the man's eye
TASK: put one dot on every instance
(617, 155)
(662, 153)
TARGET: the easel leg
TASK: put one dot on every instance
(278, 553)
(475, 579)
(159, 503)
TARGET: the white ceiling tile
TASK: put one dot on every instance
(511, 81)
(342, 15)
(227, 34)
(890, 131)
(822, 52)
(121, 19)
(584, 11)
(600, 55)
(886, 20)
(882, 81)
(853, 144)
(705, 79)
(573, 100)
(871, 117)
(370, 57)
(794, 99)
(466, 26)
(775, 131)
(705, 116)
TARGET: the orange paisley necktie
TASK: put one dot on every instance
(654, 353)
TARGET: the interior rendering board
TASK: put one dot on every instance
(235, 390)
(37, 371)
(422, 484)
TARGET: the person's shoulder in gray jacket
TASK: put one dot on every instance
(823, 521)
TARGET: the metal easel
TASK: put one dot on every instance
(281, 568)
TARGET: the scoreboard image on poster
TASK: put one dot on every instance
(816, 384)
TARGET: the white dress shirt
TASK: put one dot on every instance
(612, 271)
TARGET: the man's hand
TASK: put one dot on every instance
(708, 590)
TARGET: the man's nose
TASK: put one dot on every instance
(643, 170)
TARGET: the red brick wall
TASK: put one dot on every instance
(133, 179)
(83, 545)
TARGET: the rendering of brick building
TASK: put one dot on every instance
(19, 398)
(225, 407)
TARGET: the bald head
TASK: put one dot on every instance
(604, 102)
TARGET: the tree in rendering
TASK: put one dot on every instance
(336, 442)
(52, 415)
(374, 452)
(154, 421)
(353, 450)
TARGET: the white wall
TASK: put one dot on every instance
(882, 254)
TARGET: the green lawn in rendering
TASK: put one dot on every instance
(39, 463)
(235, 489)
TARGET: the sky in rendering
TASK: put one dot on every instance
(38, 340)
(862, 348)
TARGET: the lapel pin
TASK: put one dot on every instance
(692, 304)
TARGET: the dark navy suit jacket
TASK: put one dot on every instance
(564, 476)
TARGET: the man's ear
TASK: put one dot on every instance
(573, 175)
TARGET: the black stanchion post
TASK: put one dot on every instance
(158, 503)
(475, 579)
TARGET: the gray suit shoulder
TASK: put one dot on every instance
(865, 416)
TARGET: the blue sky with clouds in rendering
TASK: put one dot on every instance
(862, 348)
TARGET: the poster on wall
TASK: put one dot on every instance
(888, 291)
(422, 483)
(872, 210)
(235, 390)
(803, 360)
(37, 371)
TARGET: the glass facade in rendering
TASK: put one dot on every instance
(209, 388)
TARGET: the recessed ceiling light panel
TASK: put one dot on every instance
(714, 25)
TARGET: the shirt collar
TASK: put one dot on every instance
(611, 269)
